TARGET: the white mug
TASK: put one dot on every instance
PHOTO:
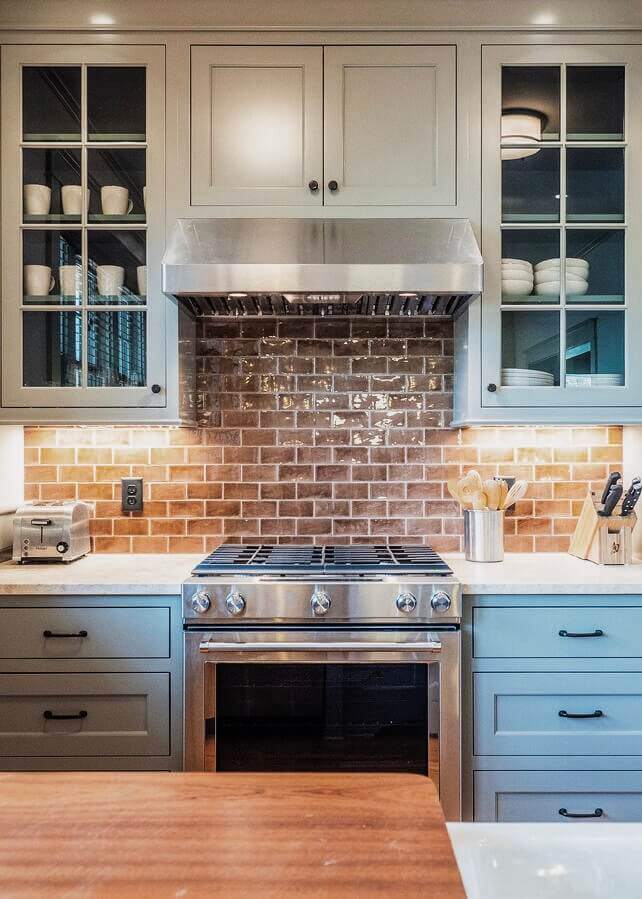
(110, 279)
(141, 278)
(72, 199)
(39, 281)
(70, 280)
(37, 199)
(115, 200)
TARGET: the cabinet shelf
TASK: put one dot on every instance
(45, 138)
(96, 218)
(51, 218)
(51, 300)
(115, 137)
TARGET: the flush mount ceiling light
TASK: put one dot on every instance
(521, 127)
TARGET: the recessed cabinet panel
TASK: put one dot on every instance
(256, 125)
(389, 125)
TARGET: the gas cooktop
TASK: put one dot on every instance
(307, 561)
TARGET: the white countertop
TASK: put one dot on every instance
(549, 861)
(163, 574)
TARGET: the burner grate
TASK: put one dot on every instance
(308, 560)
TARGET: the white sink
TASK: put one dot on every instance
(549, 861)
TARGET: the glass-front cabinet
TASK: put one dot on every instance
(83, 315)
(562, 227)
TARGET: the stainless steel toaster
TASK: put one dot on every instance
(51, 532)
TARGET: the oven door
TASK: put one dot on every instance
(326, 699)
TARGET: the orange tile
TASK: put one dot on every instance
(32, 455)
(534, 455)
(112, 544)
(40, 436)
(112, 472)
(167, 526)
(149, 544)
(187, 509)
(168, 491)
(552, 508)
(131, 456)
(533, 525)
(589, 472)
(77, 473)
(519, 544)
(57, 491)
(57, 455)
(131, 526)
(94, 455)
(168, 455)
(95, 491)
(552, 472)
(189, 473)
(611, 454)
(38, 474)
(571, 454)
(558, 544)
(100, 526)
(186, 545)
(496, 454)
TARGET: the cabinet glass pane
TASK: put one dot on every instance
(116, 185)
(52, 349)
(52, 267)
(603, 251)
(594, 185)
(595, 102)
(532, 91)
(116, 103)
(51, 103)
(116, 273)
(51, 186)
(524, 253)
(531, 187)
(116, 349)
(530, 349)
(594, 349)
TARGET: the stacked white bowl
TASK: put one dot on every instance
(517, 277)
(595, 380)
(547, 277)
(526, 377)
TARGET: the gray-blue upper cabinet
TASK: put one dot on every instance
(323, 126)
(561, 225)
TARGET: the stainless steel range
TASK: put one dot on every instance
(324, 658)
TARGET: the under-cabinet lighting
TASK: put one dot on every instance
(520, 127)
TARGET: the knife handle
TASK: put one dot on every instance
(631, 498)
(612, 479)
(612, 500)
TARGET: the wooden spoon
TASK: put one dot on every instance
(469, 485)
(515, 493)
(479, 501)
(493, 491)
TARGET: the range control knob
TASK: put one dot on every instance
(440, 601)
(201, 601)
(406, 602)
(234, 603)
(320, 602)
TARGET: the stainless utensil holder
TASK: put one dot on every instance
(483, 535)
(615, 546)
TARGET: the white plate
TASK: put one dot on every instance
(517, 287)
(518, 263)
(526, 371)
(523, 382)
(556, 263)
(591, 381)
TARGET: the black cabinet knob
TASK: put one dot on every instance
(156, 388)
(314, 186)
(491, 388)
(333, 185)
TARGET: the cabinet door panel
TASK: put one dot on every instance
(389, 117)
(256, 125)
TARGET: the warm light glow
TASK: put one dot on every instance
(520, 128)
(102, 19)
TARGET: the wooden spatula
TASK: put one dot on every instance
(515, 493)
(493, 491)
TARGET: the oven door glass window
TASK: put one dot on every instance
(336, 717)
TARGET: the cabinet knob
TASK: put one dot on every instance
(491, 388)
(314, 186)
(156, 388)
(333, 186)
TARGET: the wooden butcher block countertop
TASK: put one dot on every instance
(273, 836)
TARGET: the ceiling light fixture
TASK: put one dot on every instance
(521, 128)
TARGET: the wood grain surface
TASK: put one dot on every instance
(87, 835)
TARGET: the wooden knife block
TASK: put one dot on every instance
(605, 541)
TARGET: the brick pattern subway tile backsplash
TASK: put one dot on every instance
(325, 430)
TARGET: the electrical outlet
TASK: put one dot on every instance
(131, 494)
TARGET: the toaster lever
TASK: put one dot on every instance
(40, 522)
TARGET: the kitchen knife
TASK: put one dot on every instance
(632, 496)
(613, 498)
(612, 479)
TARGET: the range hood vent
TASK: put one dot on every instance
(277, 267)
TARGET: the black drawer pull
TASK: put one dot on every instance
(566, 814)
(49, 716)
(598, 713)
(597, 633)
(53, 634)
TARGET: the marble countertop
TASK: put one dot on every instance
(163, 574)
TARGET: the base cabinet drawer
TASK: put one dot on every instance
(558, 796)
(84, 714)
(558, 714)
(557, 632)
(84, 633)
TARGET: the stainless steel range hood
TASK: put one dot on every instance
(323, 266)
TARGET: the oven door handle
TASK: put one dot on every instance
(356, 646)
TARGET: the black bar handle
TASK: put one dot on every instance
(595, 633)
(53, 634)
(566, 814)
(49, 716)
(598, 713)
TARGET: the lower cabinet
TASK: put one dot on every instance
(558, 796)
(91, 683)
(553, 708)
